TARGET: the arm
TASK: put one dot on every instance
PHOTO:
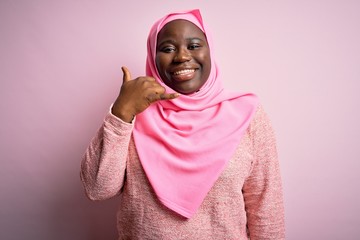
(104, 162)
(263, 188)
(103, 165)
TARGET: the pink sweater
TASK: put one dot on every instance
(246, 201)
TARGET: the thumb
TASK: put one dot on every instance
(127, 75)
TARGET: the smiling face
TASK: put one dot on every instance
(183, 56)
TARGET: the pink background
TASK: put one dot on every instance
(60, 70)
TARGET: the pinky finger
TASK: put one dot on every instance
(169, 96)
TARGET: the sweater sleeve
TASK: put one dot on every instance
(104, 162)
(263, 188)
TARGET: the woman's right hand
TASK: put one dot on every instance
(137, 94)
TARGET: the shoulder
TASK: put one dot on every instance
(260, 125)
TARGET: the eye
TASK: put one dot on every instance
(167, 49)
(194, 46)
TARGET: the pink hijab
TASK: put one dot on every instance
(184, 144)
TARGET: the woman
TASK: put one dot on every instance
(188, 159)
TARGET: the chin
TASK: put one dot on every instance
(187, 91)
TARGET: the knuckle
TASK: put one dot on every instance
(150, 98)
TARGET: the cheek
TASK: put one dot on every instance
(204, 56)
(205, 59)
(158, 62)
(162, 62)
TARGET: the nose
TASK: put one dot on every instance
(182, 55)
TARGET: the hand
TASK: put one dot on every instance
(138, 94)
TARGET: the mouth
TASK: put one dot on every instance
(184, 74)
(184, 71)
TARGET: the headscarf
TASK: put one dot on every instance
(185, 143)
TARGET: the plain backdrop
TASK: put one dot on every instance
(60, 71)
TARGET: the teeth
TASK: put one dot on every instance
(185, 71)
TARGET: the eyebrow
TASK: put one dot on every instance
(187, 39)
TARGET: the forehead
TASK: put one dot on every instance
(180, 29)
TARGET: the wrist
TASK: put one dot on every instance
(124, 115)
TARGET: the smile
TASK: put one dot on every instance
(184, 71)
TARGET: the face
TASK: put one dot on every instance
(183, 56)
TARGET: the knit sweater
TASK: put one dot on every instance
(245, 201)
